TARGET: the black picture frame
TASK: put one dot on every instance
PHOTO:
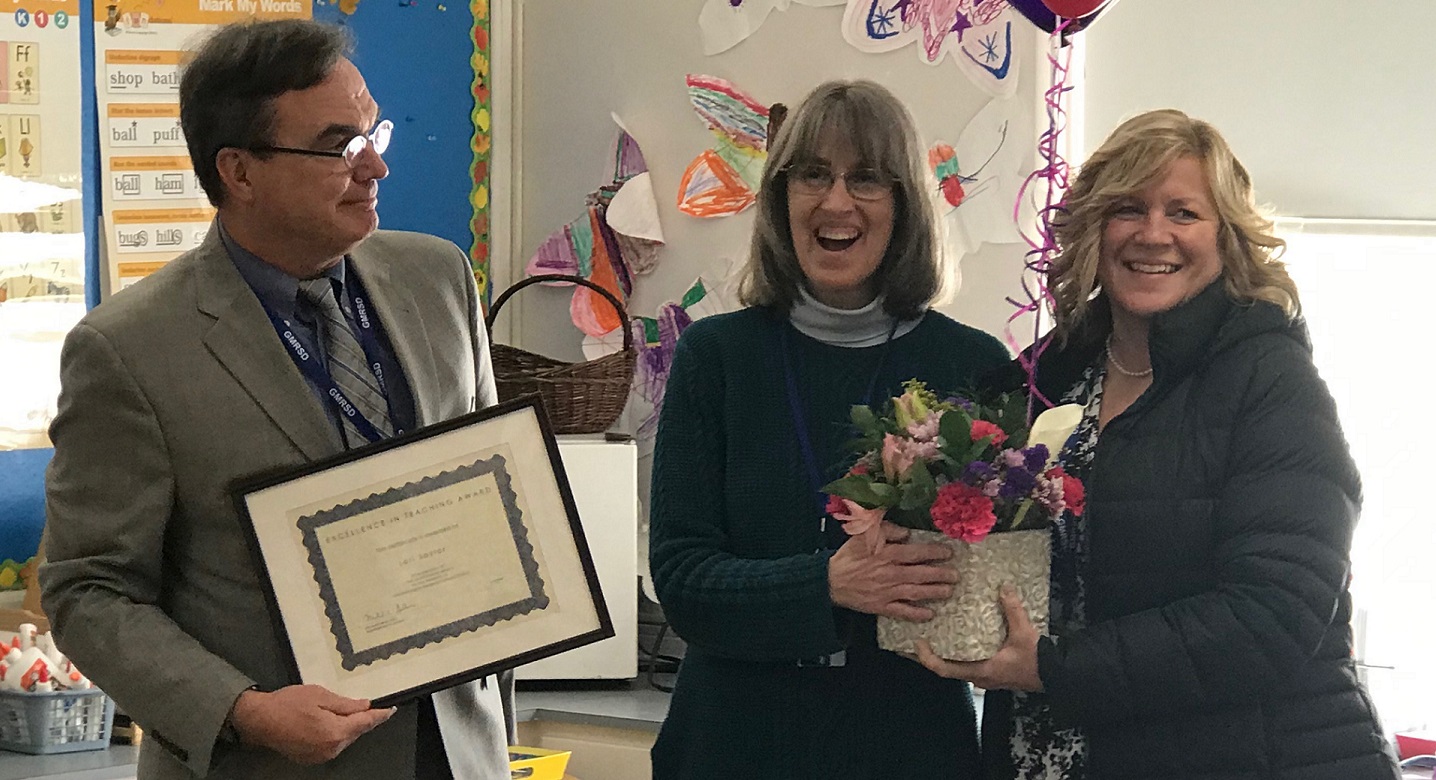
(386, 570)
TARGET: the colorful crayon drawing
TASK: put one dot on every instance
(978, 179)
(656, 339)
(946, 166)
(659, 338)
(617, 237)
(977, 33)
(726, 23)
(722, 180)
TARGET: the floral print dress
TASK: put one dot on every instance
(1041, 750)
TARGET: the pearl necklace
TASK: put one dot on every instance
(1121, 369)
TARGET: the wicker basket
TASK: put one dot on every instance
(582, 397)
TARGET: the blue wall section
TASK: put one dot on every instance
(416, 60)
(22, 502)
(90, 154)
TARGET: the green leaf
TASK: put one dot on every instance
(978, 448)
(1020, 515)
(886, 493)
(922, 478)
(855, 488)
(955, 427)
(843, 486)
(863, 445)
(865, 420)
(917, 519)
(922, 490)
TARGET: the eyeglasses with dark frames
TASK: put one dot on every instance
(378, 138)
(818, 179)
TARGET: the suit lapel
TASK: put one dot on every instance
(399, 316)
(242, 339)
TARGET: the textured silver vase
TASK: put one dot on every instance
(970, 626)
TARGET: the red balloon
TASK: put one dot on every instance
(1073, 9)
(1039, 14)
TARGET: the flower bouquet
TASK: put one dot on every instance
(972, 476)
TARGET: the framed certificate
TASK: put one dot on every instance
(427, 560)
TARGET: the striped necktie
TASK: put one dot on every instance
(347, 363)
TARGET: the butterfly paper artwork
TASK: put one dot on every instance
(726, 23)
(723, 179)
(617, 237)
(656, 338)
(977, 34)
(978, 179)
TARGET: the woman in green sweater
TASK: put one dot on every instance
(783, 678)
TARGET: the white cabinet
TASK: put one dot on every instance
(604, 479)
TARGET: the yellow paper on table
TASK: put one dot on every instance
(537, 763)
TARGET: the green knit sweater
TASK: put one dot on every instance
(738, 558)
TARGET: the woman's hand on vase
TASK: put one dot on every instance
(1014, 667)
(887, 581)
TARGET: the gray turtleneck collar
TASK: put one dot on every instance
(865, 327)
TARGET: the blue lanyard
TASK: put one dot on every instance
(315, 371)
(800, 417)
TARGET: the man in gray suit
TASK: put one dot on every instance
(295, 331)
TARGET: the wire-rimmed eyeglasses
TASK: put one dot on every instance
(378, 138)
(861, 183)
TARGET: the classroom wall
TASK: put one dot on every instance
(1326, 101)
(577, 61)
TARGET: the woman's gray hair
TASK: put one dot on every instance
(228, 85)
(913, 274)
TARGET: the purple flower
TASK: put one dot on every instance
(991, 488)
(1014, 459)
(1017, 483)
(977, 472)
(962, 403)
(1037, 456)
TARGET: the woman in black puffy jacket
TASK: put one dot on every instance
(1200, 620)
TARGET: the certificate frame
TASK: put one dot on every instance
(426, 560)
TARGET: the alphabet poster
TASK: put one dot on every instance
(151, 200)
(42, 254)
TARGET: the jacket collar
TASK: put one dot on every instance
(241, 339)
(1181, 339)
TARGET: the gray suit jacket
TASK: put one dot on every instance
(171, 391)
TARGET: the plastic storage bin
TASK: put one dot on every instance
(55, 722)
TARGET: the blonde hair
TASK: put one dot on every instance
(912, 274)
(1136, 154)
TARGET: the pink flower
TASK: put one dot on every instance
(897, 457)
(981, 429)
(858, 520)
(961, 511)
(835, 505)
(925, 430)
(860, 468)
(900, 454)
(1048, 493)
